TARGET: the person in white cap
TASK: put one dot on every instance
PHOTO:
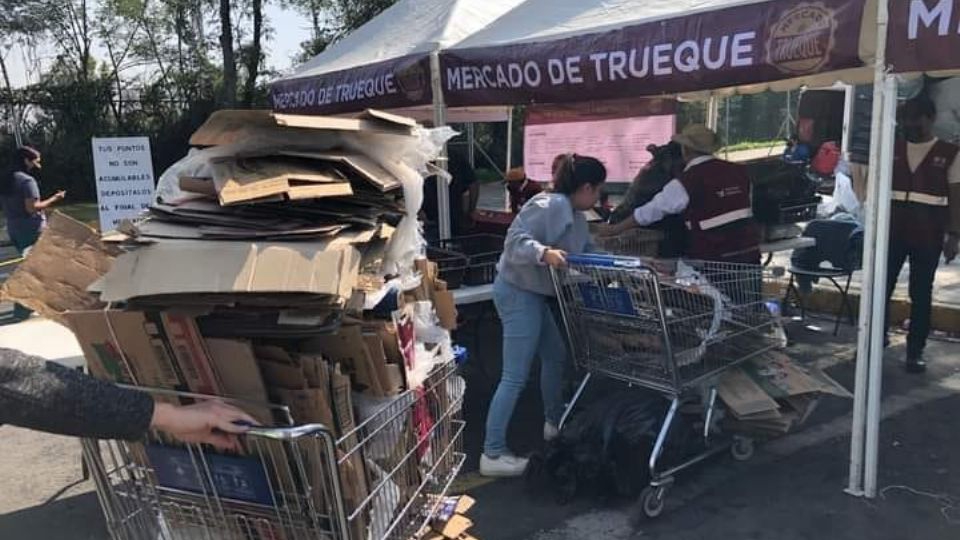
(713, 196)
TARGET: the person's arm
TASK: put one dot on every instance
(672, 199)
(48, 397)
(31, 196)
(35, 205)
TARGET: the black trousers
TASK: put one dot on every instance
(923, 260)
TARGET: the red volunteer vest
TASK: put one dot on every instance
(719, 216)
(920, 208)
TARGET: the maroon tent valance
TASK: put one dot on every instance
(924, 35)
(746, 44)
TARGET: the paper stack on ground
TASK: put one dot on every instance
(451, 521)
(771, 395)
(280, 267)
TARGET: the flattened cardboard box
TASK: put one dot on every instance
(779, 376)
(67, 259)
(199, 267)
(243, 180)
(112, 341)
(232, 126)
(743, 395)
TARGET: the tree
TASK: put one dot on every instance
(229, 59)
(353, 14)
(69, 23)
(321, 31)
(333, 19)
(253, 54)
(20, 21)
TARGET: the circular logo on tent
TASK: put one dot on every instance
(414, 80)
(802, 39)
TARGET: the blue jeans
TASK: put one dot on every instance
(22, 241)
(529, 329)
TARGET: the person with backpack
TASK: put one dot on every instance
(548, 227)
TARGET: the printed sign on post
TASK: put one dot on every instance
(124, 172)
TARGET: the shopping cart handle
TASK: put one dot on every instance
(287, 434)
(606, 261)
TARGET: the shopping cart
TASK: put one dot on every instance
(382, 480)
(672, 327)
(635, 242)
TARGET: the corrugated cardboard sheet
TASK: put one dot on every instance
(195, 267)
(54, 279)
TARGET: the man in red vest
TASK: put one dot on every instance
(713, 196)
(925, 216)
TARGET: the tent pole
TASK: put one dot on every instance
(713, 112)
(440, 120)
(726, 128)
(506, 192)
(509, 139)
(849, 94)
(864, 325)
(471, 141)
(878, 323)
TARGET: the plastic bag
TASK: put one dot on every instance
(390, 431)
(407, 158)
(688, 277)
(385, 502)
(843, 200)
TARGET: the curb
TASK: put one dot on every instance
(944, 317)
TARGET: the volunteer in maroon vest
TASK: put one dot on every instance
(924, 217)
(713, 196)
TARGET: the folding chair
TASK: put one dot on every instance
(830, 274)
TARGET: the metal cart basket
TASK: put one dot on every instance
(669, 326)
(382, 480)
(635, 242)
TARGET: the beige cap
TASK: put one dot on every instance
(698, 137)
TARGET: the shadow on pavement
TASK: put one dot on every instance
(73, 518)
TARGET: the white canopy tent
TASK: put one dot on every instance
(554, 31)
(409, 27)
(517, 52)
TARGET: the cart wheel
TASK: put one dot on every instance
(742, 448)
(652, 500)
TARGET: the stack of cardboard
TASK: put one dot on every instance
(771, 395)
(451, 521)
(254, 287)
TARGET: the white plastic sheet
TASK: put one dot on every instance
(843, 199)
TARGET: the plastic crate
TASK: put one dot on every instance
(482, 252)
(493, 222)
(451, 265)
(787, 212)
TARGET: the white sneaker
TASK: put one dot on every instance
(505, 466)
(550, 432)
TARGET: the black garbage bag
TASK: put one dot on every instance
(604, 449)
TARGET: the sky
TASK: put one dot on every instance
(289, 30)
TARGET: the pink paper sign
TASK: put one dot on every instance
(621, 144)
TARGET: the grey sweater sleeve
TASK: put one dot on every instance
(45, 396)
(540, 223)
